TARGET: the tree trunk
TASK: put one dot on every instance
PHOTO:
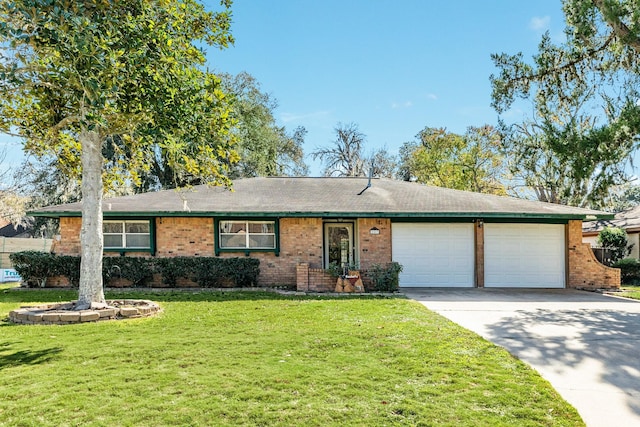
(91, 294)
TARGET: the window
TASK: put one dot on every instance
(126, 234)
(247, 235)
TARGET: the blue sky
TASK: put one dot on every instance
(392, 67)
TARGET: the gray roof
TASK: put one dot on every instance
(318, 197)
(628, 219)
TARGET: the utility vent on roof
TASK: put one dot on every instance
(368, 183)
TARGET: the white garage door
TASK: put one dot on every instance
(524, 255)
(434, 254)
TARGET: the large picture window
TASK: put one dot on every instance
(127, 235)
(245, 235)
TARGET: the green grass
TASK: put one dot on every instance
(259, 359)
(630, 291)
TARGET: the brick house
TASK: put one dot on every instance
(298, 226)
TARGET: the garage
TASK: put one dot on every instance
(434, 254)
(524, 255)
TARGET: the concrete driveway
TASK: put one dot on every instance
(586, 345)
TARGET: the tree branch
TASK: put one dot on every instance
(619, 28)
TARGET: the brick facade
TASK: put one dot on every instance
(585, 271)
(184, 236)
(69, 243)
(301, 244)
(374, 248)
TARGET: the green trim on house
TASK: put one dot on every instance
(486, 219)
(248, 251)
(396, 216)
(152, 236)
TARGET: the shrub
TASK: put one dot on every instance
(221, 272)
(629, 270)
(171, 269)
(242, 271)
(210, 271)
(68, 266)
(385, 278)
(35, 267)
(614, 239)
(136, 270)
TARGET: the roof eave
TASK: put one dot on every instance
(313, 214)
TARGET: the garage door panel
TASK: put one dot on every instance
(524, 255)
(434, 254)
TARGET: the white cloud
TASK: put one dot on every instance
(540, 24)
(432, 96)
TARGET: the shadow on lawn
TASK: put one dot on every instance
(582, 335)
(25, 357)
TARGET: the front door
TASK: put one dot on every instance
(338, 244)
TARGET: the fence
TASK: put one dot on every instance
(9, 245)
(604, 255)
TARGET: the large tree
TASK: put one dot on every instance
(471, 162)
(585, 93)
(265, 148)
(346, 156)
(76, 76)
(564, 157)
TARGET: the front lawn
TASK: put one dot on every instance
(254, 359)
(630, 291)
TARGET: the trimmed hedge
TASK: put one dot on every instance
(137, 270)
(629, 270)
(209, 271)
(35, 267)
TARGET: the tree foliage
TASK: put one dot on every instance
(585, 92)
(131, 74)
(624, 197)
(564, 157)
(347, 156)
(616, 241)
(81, 77)
(264, 148)
(469, 162)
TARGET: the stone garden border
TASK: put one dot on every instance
(64, 314)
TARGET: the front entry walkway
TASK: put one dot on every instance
(587, 345)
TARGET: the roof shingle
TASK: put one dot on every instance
(324, 197)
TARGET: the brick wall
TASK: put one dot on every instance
(301, 241)
(374, 248)
(184, 236)
(69, 243)
(585, 272)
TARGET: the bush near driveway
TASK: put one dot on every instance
(243, 358)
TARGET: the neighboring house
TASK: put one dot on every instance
(8, 229)
(629, 220)
(297, 226)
